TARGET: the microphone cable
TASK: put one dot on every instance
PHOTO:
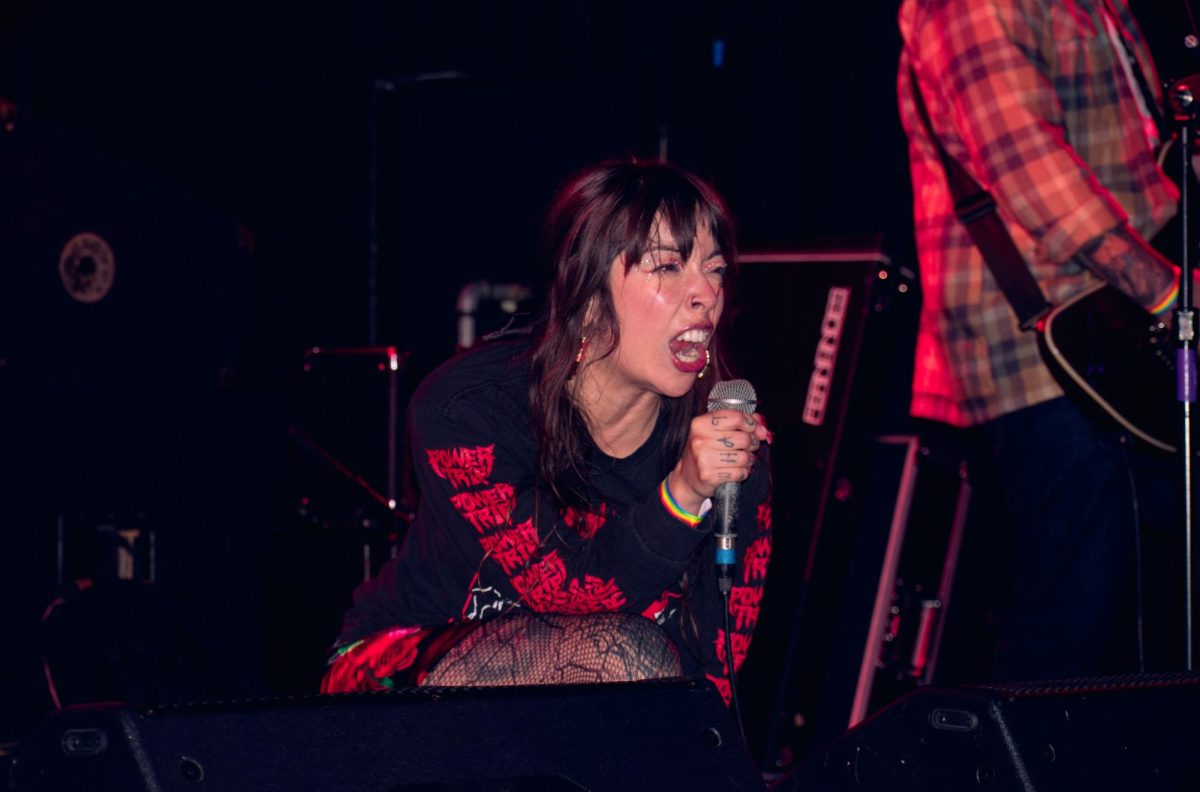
(735, 704)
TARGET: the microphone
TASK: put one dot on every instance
(729, 395)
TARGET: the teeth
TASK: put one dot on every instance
(693, 336)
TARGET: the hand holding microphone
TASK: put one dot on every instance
(738, 396)
(719, 455)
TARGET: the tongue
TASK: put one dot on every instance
(681, 347)
(687, 351)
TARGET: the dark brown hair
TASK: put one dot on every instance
(605, 213)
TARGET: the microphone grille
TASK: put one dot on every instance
(735, 394)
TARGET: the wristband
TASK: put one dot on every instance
(674, 508)
(1161, 307)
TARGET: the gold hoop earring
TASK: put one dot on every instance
(707, 363)
(582, 348)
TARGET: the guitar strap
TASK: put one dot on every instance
(1147, 100)
(976, 209)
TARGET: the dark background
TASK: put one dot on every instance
(225, 151)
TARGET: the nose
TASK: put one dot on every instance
(703, 290)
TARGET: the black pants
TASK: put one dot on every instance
(1093, 554)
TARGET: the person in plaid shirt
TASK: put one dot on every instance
(1044, 102)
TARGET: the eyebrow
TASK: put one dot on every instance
(669, 249)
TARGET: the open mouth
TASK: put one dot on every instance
(688, 350)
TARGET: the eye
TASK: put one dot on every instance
(660, 262)
(718, 268)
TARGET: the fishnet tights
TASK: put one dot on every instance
(553, 649)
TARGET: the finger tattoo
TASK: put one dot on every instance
(725, 441)
(729, 459)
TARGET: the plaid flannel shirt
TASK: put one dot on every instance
(1032, 98)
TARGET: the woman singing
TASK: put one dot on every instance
(563, 533)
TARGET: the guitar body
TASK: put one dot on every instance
(1103, 346)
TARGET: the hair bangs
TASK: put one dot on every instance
(667, 200)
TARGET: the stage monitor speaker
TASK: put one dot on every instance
(1130, 732)
(661, 735)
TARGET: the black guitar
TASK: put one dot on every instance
(1103, 346)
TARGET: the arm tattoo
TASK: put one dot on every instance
(1127, 262)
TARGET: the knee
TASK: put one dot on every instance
(636, 644)
(553, 649)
